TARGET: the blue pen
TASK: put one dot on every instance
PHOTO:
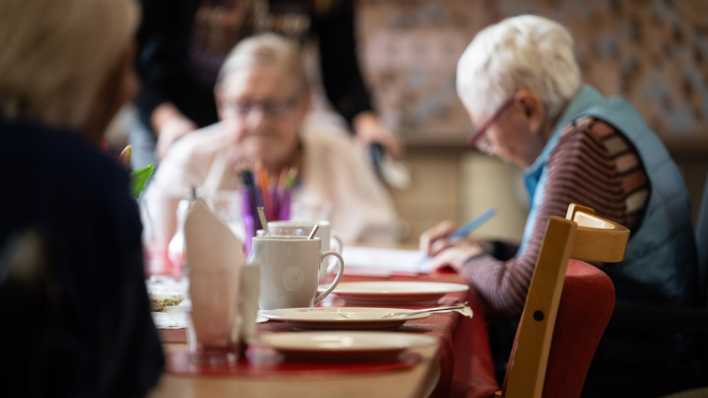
(468, 228)
(473, 224)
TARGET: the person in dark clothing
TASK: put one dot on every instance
(183, 44)
(73, 301)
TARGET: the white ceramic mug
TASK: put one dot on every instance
(303, 228)
(290, 271)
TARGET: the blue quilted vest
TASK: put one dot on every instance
(660, 261)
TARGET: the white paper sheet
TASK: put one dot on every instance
(360, 260)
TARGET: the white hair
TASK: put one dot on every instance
(57, 54)
(523, 52)
(266, 49)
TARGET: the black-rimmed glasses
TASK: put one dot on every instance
(270, 107)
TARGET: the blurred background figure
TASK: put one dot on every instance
(74, 307)
(263, 99)
(520, 83)
(183, 44)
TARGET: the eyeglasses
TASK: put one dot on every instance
(270, 108)
(482, 130)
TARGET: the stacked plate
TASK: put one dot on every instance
(367, 318)
(398, 292)
(344, 345)
(349, 318)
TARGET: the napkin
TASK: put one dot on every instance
(247, 308)
(216, 260)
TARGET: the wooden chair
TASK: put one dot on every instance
(560, 330)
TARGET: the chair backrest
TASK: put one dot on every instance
(582, 236)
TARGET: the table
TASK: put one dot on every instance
(444, 371)
(416, 382)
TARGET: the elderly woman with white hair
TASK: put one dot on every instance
(521, 85)
(74, 307)
(266, 124)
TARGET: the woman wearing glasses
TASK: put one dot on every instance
(521, 85)
(263, 103)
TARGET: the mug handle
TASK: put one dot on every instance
(340, 270)
(338, 240)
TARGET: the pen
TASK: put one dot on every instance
(252, 198)
(473, 224)
(466, 229)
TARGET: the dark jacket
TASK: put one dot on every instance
(80, 324)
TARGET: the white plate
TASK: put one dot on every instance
(342, 317)
(340, 344)
(397, 291)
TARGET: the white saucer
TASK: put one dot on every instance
(342, 344)
(349, 318)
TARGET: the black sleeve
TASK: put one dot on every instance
(504, 250)
(162, 59)
(339, 63)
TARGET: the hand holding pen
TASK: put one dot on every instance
(446, 245)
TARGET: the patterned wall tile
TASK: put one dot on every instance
(654, 52)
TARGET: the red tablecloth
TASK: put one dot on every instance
(464, 343)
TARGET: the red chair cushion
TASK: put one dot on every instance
(585, 309)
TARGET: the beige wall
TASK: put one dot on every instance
(449, 184)
(434, 194)
(487, 182)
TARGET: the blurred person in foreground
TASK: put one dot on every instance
(264, 106)
(73, 302)
(521, 85)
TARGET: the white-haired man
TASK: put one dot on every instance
(521, 85)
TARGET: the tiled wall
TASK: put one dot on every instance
(654, 52)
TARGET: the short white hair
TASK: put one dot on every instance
(526, 51)
(266, 50)
(57, 54)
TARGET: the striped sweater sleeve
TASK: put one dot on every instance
(582, 169)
